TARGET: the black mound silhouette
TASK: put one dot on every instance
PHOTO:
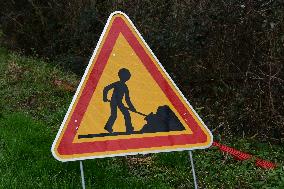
(164, 120)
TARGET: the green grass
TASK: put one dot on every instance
(32, 108)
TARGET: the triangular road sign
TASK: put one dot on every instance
(126, 103)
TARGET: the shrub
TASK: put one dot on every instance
(226, 56)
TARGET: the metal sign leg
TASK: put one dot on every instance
(193, 171)
(82, 175)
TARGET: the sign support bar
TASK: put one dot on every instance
(82, 175)
(193, 171)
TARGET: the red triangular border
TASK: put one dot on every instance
(67, 147)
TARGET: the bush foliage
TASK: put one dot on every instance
(226, 56)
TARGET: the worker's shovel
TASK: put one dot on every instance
(133, 111)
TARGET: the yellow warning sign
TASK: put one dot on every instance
(126, 103)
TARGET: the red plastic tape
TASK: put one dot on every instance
(244, 156)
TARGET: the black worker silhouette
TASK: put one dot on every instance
(164, 120)
(120, 90)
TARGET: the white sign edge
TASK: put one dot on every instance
(82, 81)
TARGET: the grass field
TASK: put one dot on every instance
(34, 99)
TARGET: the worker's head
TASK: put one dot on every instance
(124, 74)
